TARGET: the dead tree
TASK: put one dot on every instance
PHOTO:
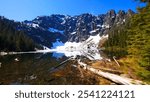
(113, 77)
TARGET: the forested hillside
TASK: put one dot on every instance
(132, 40)
(13, 40)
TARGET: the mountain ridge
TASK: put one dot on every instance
(46, 30)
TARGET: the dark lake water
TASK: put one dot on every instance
(35, 69)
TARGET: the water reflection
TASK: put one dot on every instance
(58, 55)
(29, 67)
(87, 48)
(35, 69)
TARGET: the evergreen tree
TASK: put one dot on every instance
(13, 40)
(133, 39)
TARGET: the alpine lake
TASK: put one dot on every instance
(43, 69)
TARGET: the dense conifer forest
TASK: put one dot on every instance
(12, 39)
(132, 40)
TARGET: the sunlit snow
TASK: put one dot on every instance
(94, 31)
(33, 25)
(73, 33)
(88, 48)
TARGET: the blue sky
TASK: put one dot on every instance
(20, 10)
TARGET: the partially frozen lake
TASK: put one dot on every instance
(34, 67)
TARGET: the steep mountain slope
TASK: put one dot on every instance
(13, 40)
(47, 30)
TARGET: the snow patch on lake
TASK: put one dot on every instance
(88, 48)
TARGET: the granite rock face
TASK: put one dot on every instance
(46, 30)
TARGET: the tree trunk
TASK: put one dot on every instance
(114, 78)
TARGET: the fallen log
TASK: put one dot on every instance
(116, 61)
(114, 78)
(109, 70)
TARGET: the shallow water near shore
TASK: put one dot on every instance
(35, 69)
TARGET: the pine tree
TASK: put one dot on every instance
(13, 40)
